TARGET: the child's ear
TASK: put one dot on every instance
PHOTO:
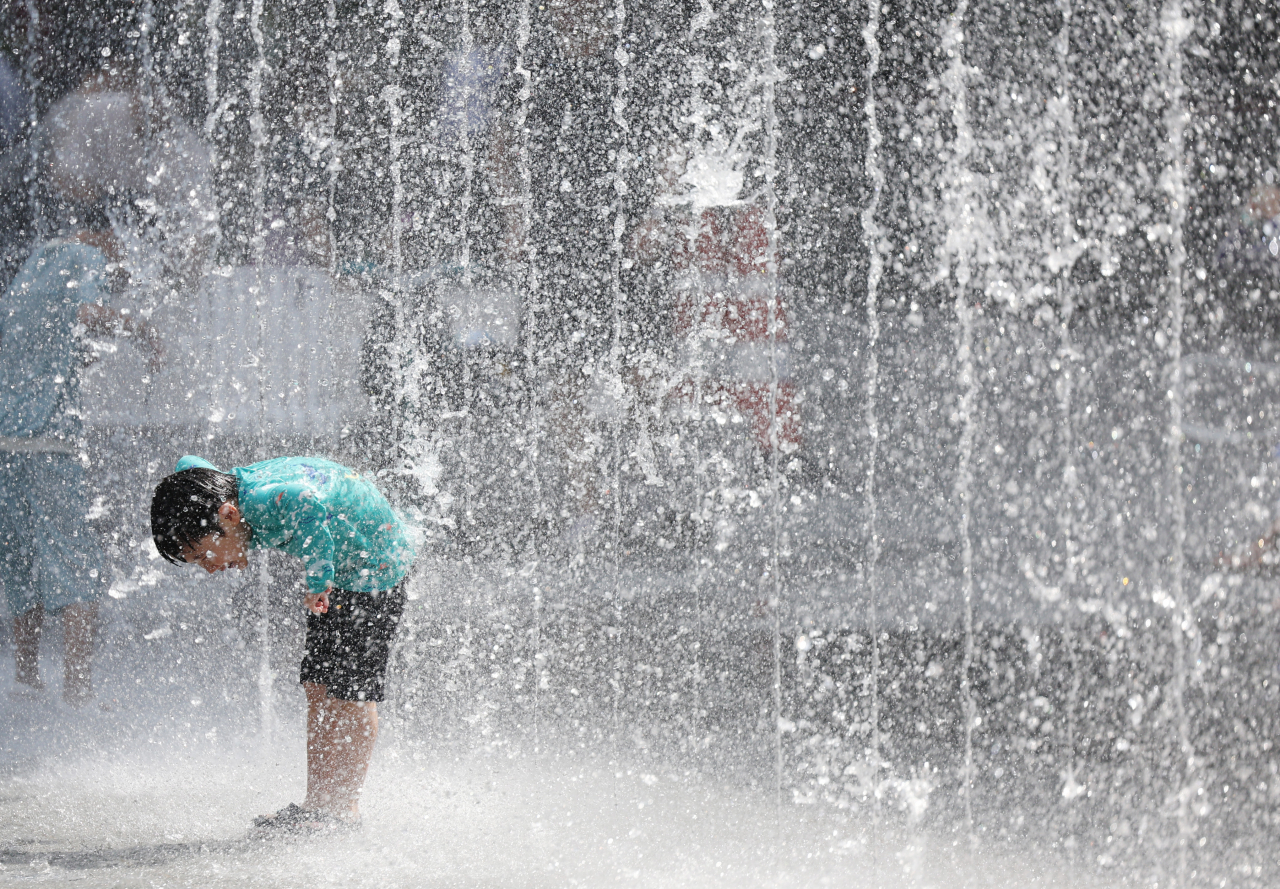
(230, 514)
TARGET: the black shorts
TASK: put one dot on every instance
(348, 646)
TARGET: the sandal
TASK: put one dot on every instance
(293, 819)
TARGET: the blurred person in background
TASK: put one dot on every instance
(109, 140)
(121, 190)
(1251, 248)
(49, 558)
(733, 353)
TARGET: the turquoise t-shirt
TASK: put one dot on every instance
(39, 355)
(329, 516)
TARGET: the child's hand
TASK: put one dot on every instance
(317, 603)
(155, 349)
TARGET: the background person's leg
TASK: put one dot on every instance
(78, 623)
(69, 563)
(27, 629)
(16, 569)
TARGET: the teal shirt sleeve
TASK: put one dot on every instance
(330, 517)
(300, 523)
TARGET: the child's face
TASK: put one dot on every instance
(223, 549)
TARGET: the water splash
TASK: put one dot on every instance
(1064, 196)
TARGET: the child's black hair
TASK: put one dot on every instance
(184, 509)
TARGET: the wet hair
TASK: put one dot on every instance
(184, 509)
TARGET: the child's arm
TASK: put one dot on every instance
(298, 510)
(106, 321)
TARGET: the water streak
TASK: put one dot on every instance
(392, 94)
(871, 237)
(258, 135)
(701, 511)
(465, 144)
(769, 163)
(146, 25)
(961, 200)
(1060, 109)
(404, 358)
(528, 279)
(621, 160)
(1177, 27)
(212, 46)
(213, 113)
(335, 156)
(258, 243)
(1064, 121)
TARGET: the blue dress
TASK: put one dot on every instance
(48, 554)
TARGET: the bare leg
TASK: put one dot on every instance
(340, 739)
(27, 628)
(78, 622)
(316, 716)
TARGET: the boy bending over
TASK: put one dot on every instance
(356, 552)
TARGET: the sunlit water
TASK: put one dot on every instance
(162, 796)
(967, 632)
